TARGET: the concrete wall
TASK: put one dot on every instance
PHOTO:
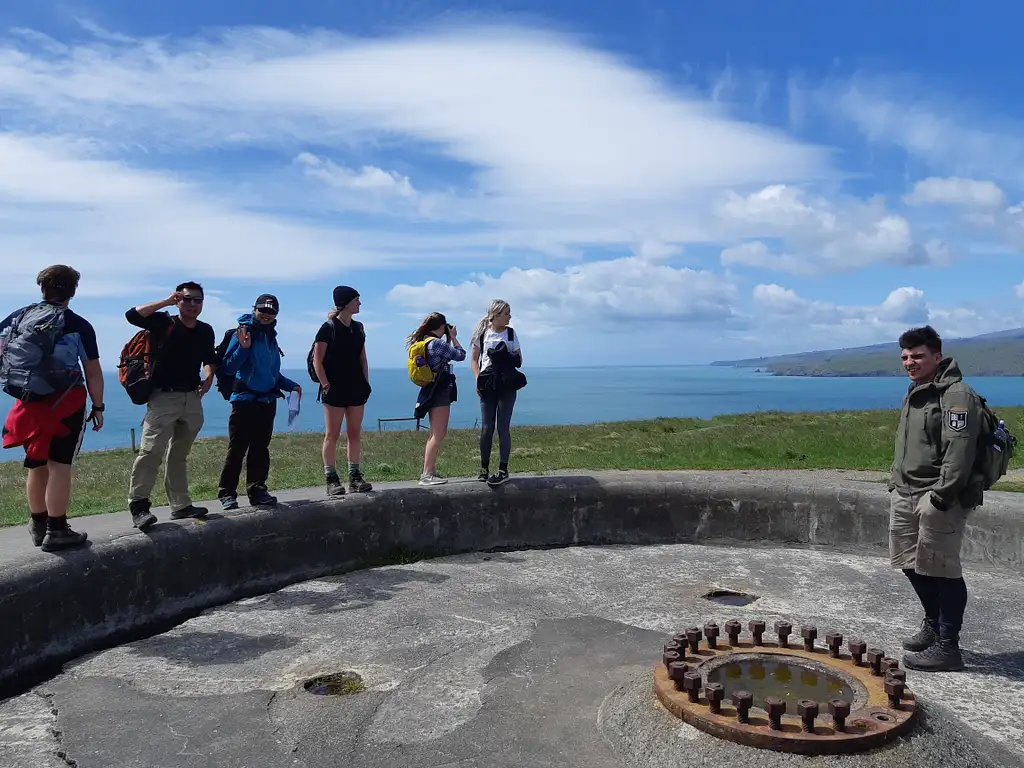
(55, 608)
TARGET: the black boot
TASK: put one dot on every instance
(60, 536)
(943, 656)
(37, 529)
(925, 638)
(141, 516)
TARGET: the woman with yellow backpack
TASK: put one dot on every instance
(432, 348)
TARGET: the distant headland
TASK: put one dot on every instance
(992, 354)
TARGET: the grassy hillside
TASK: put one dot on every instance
(998, 354)
(842, 440)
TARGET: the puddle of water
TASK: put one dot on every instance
(790, 682)
(339, 684)
(727, 597)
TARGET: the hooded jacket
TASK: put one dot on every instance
(502, 373)
(257, 370)
(937, 439)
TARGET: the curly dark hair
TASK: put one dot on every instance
(58, 282)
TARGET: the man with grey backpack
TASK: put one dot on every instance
(49, 361)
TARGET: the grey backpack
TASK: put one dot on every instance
(27, 368)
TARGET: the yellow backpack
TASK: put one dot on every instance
(420, 373)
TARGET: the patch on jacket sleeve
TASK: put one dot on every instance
(956, 418)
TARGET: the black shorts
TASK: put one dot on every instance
(348, 393)
(63, 450)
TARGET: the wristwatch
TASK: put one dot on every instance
(99, 408)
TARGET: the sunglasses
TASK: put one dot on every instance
(192, 300)
(266, 311)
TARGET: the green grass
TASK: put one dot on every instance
(766, 440)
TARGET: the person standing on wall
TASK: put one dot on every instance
(435, 399)
(49, 360)
(931, 493)
(174, 412)
(495, 361)
(343, 372)
(252, 361)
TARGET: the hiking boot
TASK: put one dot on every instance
(498, 478)
(190, 511)
(483, 475)
(228, 503)
(62, 538)
(943, 656)
(924, 638)
(356, 484)
(141, 516)
(260, 497)
(37, 531)
(334, 486)
(432, 478)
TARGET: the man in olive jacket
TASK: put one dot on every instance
(932, 490)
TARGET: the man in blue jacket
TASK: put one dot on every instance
(254, 359)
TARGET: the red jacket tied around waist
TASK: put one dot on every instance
(35, 424)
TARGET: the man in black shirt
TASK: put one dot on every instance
(174, 413)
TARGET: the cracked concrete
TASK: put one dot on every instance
(508, 659)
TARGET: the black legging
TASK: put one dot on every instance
(496, 411)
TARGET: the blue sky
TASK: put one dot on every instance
(644, 182)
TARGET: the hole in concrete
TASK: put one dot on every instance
(790, 682)
(729, 597)
(336, 684)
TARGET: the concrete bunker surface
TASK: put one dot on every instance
(133, 585)
(539, 657)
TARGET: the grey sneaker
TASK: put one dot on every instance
(432, 478)
(925, 637)
(228, 503)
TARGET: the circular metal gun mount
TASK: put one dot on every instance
(800, 697)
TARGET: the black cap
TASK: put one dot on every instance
(343, 294)
(267, 302)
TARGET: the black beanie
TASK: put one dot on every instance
(343, 294)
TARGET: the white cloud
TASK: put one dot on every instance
(369, 178)
(757, 254)
(904, 307)
(597, 293)
(65, 204)
(967, 193)
(931, 128)
(823, 234)
(538, 114)
(548, 145)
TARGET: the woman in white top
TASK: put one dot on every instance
(496, 358)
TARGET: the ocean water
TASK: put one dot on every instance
(569, 396)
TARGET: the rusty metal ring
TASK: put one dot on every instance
(882, 709)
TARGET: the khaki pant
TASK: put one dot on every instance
(924, 538)
(173, 419)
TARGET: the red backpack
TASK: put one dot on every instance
(135, 367)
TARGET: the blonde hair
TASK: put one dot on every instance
(497, 307)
